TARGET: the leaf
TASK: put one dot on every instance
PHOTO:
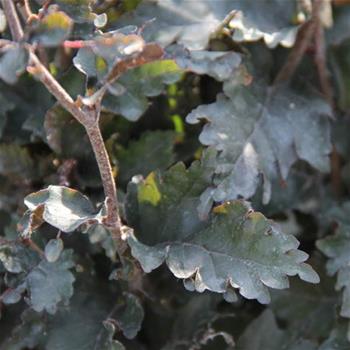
(28, 334)
(52, 29)
(53, 249)
(16, 162)
(234, 247)
(47, 283)
(337, 339)
(17, 259)
(86, 325)
(267, 20)
(154, 150)
(340, 29)
(262, 135)
(263, 333)
(51, 283)
(62, 207)
(194, 321)
(192, 23)
(62, 131)
(217, 64)
(13, 63)
(99, 234)
(89, 324)
(137, 84)
(337, 247)
(309, 311)
(79, 10)
(129, 316)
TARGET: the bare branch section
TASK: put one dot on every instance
(12, 19)
(321, 61)
(105, 169)
(304, 38)
(40, 71)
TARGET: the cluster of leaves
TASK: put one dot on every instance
(228, 180)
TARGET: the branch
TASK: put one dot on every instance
(89, 119)
(321, 62)
(37, 69)
(104, 165)
(13, 20)
(303, 40)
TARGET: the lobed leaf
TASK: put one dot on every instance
(256, 133)
(193, 23)
(234, 247)
(154, 150)
(48, 284)
(263, 333)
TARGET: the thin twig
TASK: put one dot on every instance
(105, 168)
(32, 245)
(12, 19)
(41, 72)
(89, 119)
(27, 9)
(336, 173)
(321, 63)
(303, 40)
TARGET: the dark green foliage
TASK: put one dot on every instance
(228, 180)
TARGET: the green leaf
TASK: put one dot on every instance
(256, 133)
(17, 259)
(217, 64)
(51, 283)
(16, 162)
(62, 131)
(340, 29)
(309, 311)
(62, 207)
(89, 324)
(13, 63)
(337, 339)
(270, 20)
(154, 150)
(194, 322)
(129, 316)
(53, 249)
(28, 334)
(47, 283)
(192, 23)
(137, 84)
(79, 10)
(234, 247)
(100, 234)
(52, 29)
(337, 247)
(263, 333)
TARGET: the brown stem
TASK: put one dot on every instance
(302, 42)
(336, 173)
(89, 119)
(12, 19)
(321, 63)
(32, 245)
(104, 166)
(41, 72)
